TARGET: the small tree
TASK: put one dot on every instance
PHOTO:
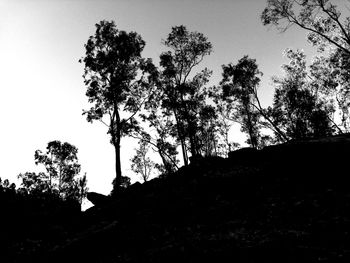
(61, 164)
(61, 177)
(141, 163)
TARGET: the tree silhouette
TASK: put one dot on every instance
(320, 18)
(241, 102)
(296, 109)
(61, 163)
(329, 32)
(184, 96)
(239, 86)
(141, 163)
(223, 121)
(61, 179)
(331, 81)
(161, 141)
(118, 82)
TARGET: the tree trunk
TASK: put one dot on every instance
(184, 152)
(250, 124)
(280, 133)
(116, 138)
(192, 137)
(182, 139)
(118, 171)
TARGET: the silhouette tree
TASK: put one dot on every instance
(183, 96)
(118, 82)
(239, 86)
(61, 179)
(161, 141)
(79, 189)
(207, 131)
(61, 163)
(141, 163)
(331, 82)
(223, 121)
(320, 18)
(329, 32)
(241, 102)
(296, 109)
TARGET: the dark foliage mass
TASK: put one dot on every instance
(32, 223)
(284, 203)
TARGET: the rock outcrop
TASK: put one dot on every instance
(284, 203)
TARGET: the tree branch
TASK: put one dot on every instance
(294, 20)
(155, 145)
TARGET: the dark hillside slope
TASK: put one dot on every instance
(285, 203)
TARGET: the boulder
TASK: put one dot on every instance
(97, 199)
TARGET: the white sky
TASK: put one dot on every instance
(42, 91)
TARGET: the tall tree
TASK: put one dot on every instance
(118, 82)
(183, 95)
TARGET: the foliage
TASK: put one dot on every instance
(118, 80)
(328, 31)
(182, 96)
(5, 186)
(331, 81)
(321, 18)
(161, 141)
(296, 109)
(61, 177)
(223, 122)
(141, 163)
(123, 184)
(36, 184)
(61, 163)
(239, 87)
(240, 102)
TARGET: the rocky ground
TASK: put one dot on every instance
(284, 203)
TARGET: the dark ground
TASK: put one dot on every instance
(285, 203)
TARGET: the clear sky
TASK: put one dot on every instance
(42, 91)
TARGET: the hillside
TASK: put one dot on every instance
(284, 203)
